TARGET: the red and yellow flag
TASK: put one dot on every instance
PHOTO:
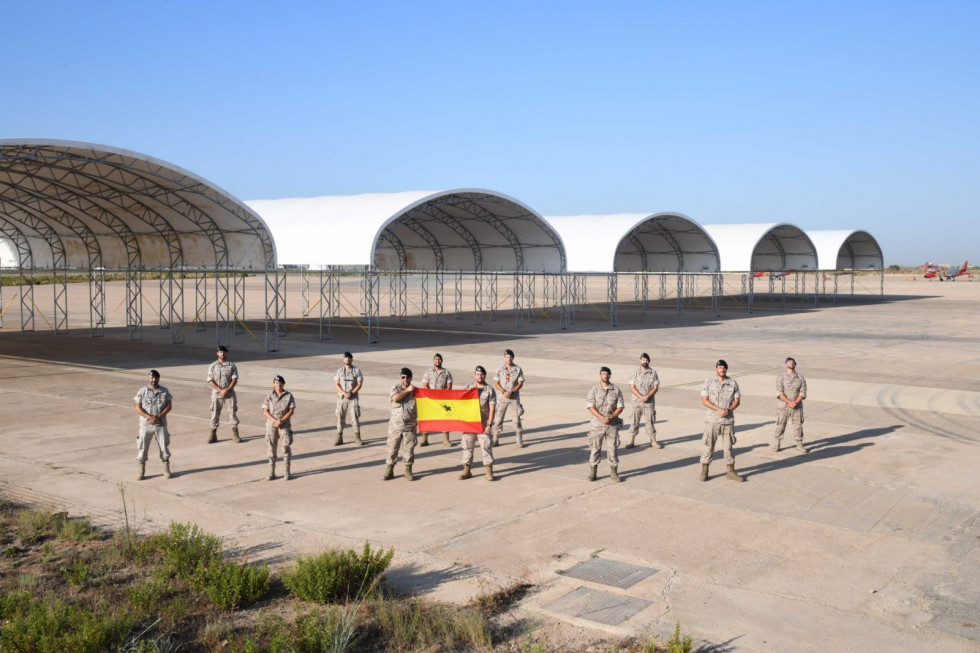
(448, 410)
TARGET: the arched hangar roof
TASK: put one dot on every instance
(763, 247)
(464, 229)
(636, 242)
(846, 250)
(80, 205)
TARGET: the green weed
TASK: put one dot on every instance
(230, 585)
(337, 575)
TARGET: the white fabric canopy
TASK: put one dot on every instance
(763, 247)
(463, 229)
(66, 204)
(636, 242)
(846, 250)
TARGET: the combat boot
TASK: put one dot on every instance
(614, 474)
(520, 441)
(142, 472)
(272, 470)
(800, 447)
(655, 444)
(357, 439)
(234, 434)
(389, 473)
(732, 476)
(166, 469)
(704, 472)
(488, 472)
(774, 447)
(408, 473)
(592, 470)
(446, 441)
(466, 473)
(214, 436)
(340, 439)
(287, 475)
(424, 440)
(631, 443)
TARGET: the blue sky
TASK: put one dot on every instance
(826, 114)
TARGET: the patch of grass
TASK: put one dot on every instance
(53, 624)
(78, 529)
(337, 575)
(76, 572)
(678, 643)
(419, 624)
(496, 601)
(34, 526)
(187, 551)
(230, 585)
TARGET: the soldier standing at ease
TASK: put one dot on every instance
(488, 404)
(223, 377)
(438, 378)
(508, 381)
(721, 397)
(644, 385)
(153, 402)
(278, 409)
(791, 391)
(348, 381)
(401, 425)
(605, 402)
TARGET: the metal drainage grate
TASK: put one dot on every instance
(601, 607)
(610, 572)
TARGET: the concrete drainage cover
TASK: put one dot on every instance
(601, 607)
(610, 572)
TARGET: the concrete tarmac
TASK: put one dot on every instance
(870, 542)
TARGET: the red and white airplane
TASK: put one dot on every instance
(934, 272)
(775, 274)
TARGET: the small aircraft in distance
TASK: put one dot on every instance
(775, 274)
(935, 272)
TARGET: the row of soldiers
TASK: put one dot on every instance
(719, 394)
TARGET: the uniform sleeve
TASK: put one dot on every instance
(520, 375)
(496, 375)
(493, 396)
(139, 396)
(736, 394)
(292, 401)
(704, 389)
(395, 389)
(234, 371)
(803, 387)
(266, 403)
(779, 385)
(210, 373)
(590, 399)
(656, 379)
(619, 398)
(633, 378)
(168, 396)
(360, 377)
(336, 377)
(449, 377)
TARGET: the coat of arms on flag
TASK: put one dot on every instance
(448, 410)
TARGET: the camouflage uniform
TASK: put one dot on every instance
(437, 380)
(605, 400)
(508, 377)
(279, 405)
(402, 426)
(793, 387)
(644, 381)
(488, 397)
(348, 380)
(720, 394)
(152, 402)
(223, 375)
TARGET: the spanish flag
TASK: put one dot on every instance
(448, 410)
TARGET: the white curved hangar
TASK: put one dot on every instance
(847, 250)
(65, 204)
(636, 242)
(465, 229)
(770, 247)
